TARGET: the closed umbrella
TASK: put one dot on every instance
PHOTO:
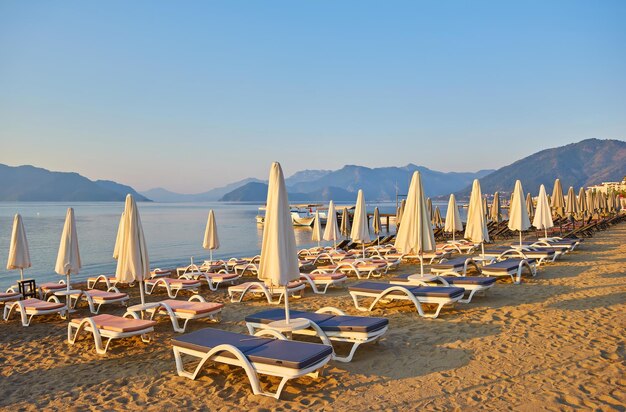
(19, 256)
(133, 264)
(376, 224)
(429, 205)
(118, 238)
(211, 241)
(68, 259)
(400, 212)
(571, 207)
(317, 229)
(530, 208)
(582, 203)
(360, 231)
(345, 222)
(495, 213)
(610, 203)
(279, 256)
(543, 214)
(518, 215)
(476, 227)
(453, 218)
(437, 220)
(331, 232)
(486, 209)
(558, 201)
(415, 235)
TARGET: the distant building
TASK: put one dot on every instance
(606, 187)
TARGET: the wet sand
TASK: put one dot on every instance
(556, 342)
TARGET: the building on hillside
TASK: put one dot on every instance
(606, 187)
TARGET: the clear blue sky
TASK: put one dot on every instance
(190, 95)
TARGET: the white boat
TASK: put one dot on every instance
(301, 214)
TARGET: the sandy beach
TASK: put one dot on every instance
(556, 342)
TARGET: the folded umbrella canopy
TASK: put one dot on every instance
(317, 229)
(453, 218)
(19, 256)
(376, 224)
(495, 213)
(331, 232)
(518, 215)
(437, 219)
(476, 227)
(345, 222)
(211, 242)
(133, 264)
(415, 235)
(400, 212)
(558, 201)
(543, 214)
(571, 207)
(68, 259)
(583, 210)
(530, 208)
(431, 213)
(279, 256)
(360, 231)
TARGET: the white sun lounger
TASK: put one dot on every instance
(255, 354)
(418, 295)
(30, 308)
(172, 286)
(328, 324)
(95, 298)
(360, 268)
(319, 279)
(193, 309)
(47, 289)
(259, 289)
(109, 327)
(471, 284)
(9, 296)
(213, 279)
(511, 267)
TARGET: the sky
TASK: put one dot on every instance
(192, 95)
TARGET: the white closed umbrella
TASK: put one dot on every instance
(331, 231)
(476, 227)
(558, 201)
(68, 259)
(211, 240)
(376, 224)
(495, 213)
(400, 212)
(518, 218)
(429, 206)
(453, 218)
(415, 235)
(360, 231)
(345, 222)
(582, 203)
(19, 256)
(530, 208)
(543, 213)
(317, 229)
(437, 219)
(118, 237)
(133, 264)
(571, 206)
(486, 209)
(279, 256)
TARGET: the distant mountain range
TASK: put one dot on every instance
(29, 183)
(163, 195)
(585, 163)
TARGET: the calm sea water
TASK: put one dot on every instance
(174, 233)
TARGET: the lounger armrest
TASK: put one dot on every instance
(270, 332)
(113, 289)
(330, 309)
(196, 297)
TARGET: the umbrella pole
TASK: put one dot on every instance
(21, 274)
(142, 293)
(68, 300)
(363, 250)
(422, 263)
(211, 255)
(520, 238)
(482, 247)
(545, 232)
(286, 306)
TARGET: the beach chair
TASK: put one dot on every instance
(459, 265)
(96, 298)
(237, 292)
(328, 324)
(319, 279)
(362, 268)
(472, 284)
(109, 327)
(541, 256)
(193, 309)
(247, 267)
(256, 355)
(9, 296)
(45, 290)
(418, 295)
(213, 279)
(30, 308)
(511, 267)
(462, 247)
(172, 286)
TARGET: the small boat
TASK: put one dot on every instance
(301, 214)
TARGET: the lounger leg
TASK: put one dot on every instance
(347, 358)
(356, 303)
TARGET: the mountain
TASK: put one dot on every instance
(29, 183)
(257, 192)
(376, 183)
(163, 195)
(579, 164)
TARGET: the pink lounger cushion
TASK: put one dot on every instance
(7, 295)
(255, 285)
(193, 308)
(102, 295)
(327, 276)
(118, 323)
(222, 276)
(180, 282)
(38, 304)
(52, 286)
(94, 278)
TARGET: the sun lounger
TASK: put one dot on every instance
(30, 308)
(511, 267)
(193, 309)
(247, 267)
(361, 268)
(471, 284)
(259, 289)
(95, 298)
(47, 289)
(109, 327)
(9, 296)
(321, 279)
(213, 279)
(329, 324)
(459, 246)
(459, 265)
(418, 295)
(172, 286)
(540, 255)
(256, 355)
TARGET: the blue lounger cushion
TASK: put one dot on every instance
(291, 354)
(417, 291)
(456, 263)
(326, 322)
(453, 280)
(505, 265)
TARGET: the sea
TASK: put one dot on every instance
(173, 232)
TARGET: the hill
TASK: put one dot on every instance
(579, 164)
(29, 183)
(163, 195)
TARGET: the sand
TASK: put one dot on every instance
(556, 342)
